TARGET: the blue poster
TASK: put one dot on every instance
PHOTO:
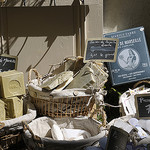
(132, 62)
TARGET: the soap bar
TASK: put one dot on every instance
(2, 111)
(57, 69)
(70, 64)
(84, 79)
(11, 83)
(90, 75)
(52, 83)
(14, 107)
(63, 85)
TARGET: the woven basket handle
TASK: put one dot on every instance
(36, 73)
(26, 127)
(138, 83)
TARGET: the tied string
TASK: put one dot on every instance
(100, 105)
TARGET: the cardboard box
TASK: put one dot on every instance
(14, 107)
(11, 84)
(45, 35)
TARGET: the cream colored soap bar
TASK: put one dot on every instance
(2, 111)
(14, 107)
(84, 79)
(11, 83)
(70, 64)
(90, 75)
(52, 83)
(63, 85)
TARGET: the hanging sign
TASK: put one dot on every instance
(8, 62)
(101, 50)
(142, 104)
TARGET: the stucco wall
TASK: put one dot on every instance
(41, 36)
(124, 14)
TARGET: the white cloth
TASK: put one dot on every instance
(75, 134)
(65, 128)
(56, 132)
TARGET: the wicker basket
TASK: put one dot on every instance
(11, 130)
(63, 107)
(124, 98)
(59, 107)
(36, 140)
(142, 82)
(11, 139)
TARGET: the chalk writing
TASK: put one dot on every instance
(7, 62)
(101, 50)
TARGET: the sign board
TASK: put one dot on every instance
(8, 62)
(132, 62)
(101, 50)
(142, 104)
(117, 139)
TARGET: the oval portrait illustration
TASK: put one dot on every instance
(128, 59)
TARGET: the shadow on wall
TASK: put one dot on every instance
(33, 3)
(10, 3)
(28, 22)
(120, 15)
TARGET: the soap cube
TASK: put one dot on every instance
(11, 84)
(14, 107)
(2, 111)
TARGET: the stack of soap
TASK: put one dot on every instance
(2, 111)
(11, 90)
(90, 75)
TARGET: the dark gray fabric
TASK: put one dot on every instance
(49, 144)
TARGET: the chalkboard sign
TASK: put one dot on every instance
(8, 62)
(142, 104)
(117, 139)
(102, 50)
